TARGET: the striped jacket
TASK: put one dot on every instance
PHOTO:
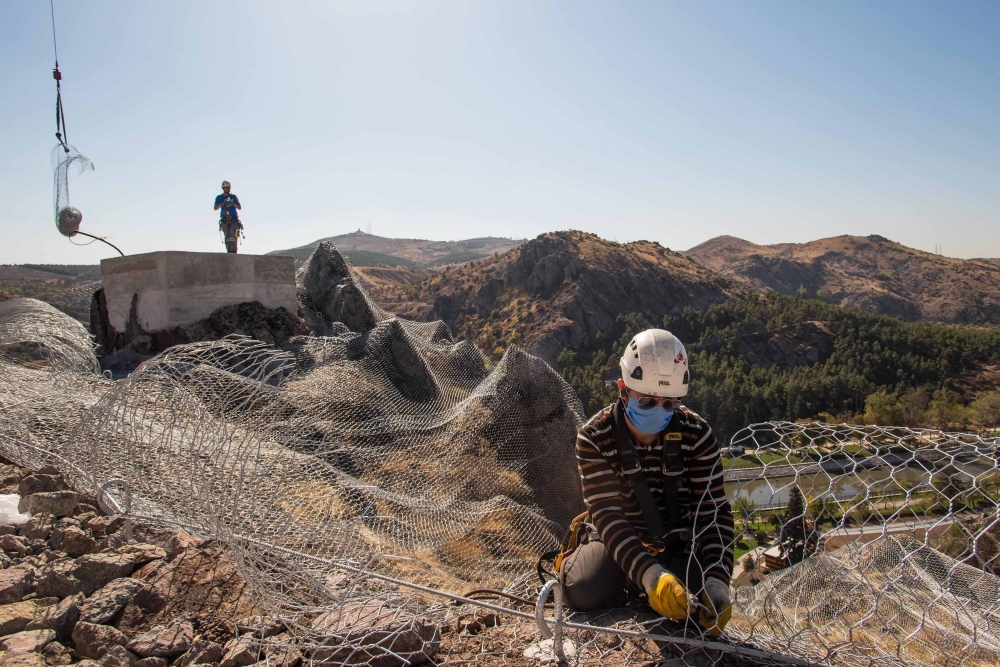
(613, 507)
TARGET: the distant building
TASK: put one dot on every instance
(773, 559)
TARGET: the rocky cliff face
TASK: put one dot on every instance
(566, 289)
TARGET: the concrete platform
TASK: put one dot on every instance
(176, 289)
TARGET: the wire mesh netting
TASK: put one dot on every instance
(370, 477)
(64, 159)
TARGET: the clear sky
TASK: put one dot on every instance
(675, 122)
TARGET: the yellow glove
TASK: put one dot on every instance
(715, 596)
(668, 596)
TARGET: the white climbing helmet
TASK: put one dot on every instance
(225, 184)
(655, 363)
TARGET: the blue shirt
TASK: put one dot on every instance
(227, 210)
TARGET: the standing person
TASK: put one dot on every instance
(229, 222)
(657, 515)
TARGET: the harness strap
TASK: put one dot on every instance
(672, 462)
(632, 469)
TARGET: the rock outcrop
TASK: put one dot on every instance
(249, 319)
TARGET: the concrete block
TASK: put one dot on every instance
(176, 289)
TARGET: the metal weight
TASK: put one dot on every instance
(70, 218)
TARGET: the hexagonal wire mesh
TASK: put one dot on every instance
(369, 478)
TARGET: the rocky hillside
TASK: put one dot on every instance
(368, 250)
(871, 273)
(564, 289)
(81, 587)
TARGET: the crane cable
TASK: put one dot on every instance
(61, 133)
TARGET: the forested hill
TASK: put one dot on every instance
(774, 357)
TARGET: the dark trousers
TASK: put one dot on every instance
(591, 578)
(231, 229)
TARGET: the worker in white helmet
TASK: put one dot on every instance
(229, 221)
(657, 515)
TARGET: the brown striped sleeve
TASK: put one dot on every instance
(602, 494)
(713, 517)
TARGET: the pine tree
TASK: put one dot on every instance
(797, 537)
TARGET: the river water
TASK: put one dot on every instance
(774, 491)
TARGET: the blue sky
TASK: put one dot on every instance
(675, 122)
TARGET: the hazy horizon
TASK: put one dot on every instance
(773, 122)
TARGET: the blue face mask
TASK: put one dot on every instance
(649, 421)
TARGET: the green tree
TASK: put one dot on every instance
(986, 410)
(944, 409)
(951, 483)
(824, 510)
(743, 510)
(881, 408)
(566, 358)
(914, 405)
(797, 538)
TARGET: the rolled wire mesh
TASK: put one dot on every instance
(368, 479)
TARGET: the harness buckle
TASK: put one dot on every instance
(632, 471)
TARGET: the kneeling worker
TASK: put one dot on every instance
(657, 513)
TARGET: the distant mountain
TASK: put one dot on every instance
(867, 272)
(368, 250)
(564, 289)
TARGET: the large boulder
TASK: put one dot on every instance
(39, 483)
(16, 616)
(57, 503)
(371, 634)
(200, 583)
(61, 617)
(16, 582)
(240, 652)
(164, 641)
(38, 527)
(201, 651)
(93, 640)
(28, 641)
(105, 604)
